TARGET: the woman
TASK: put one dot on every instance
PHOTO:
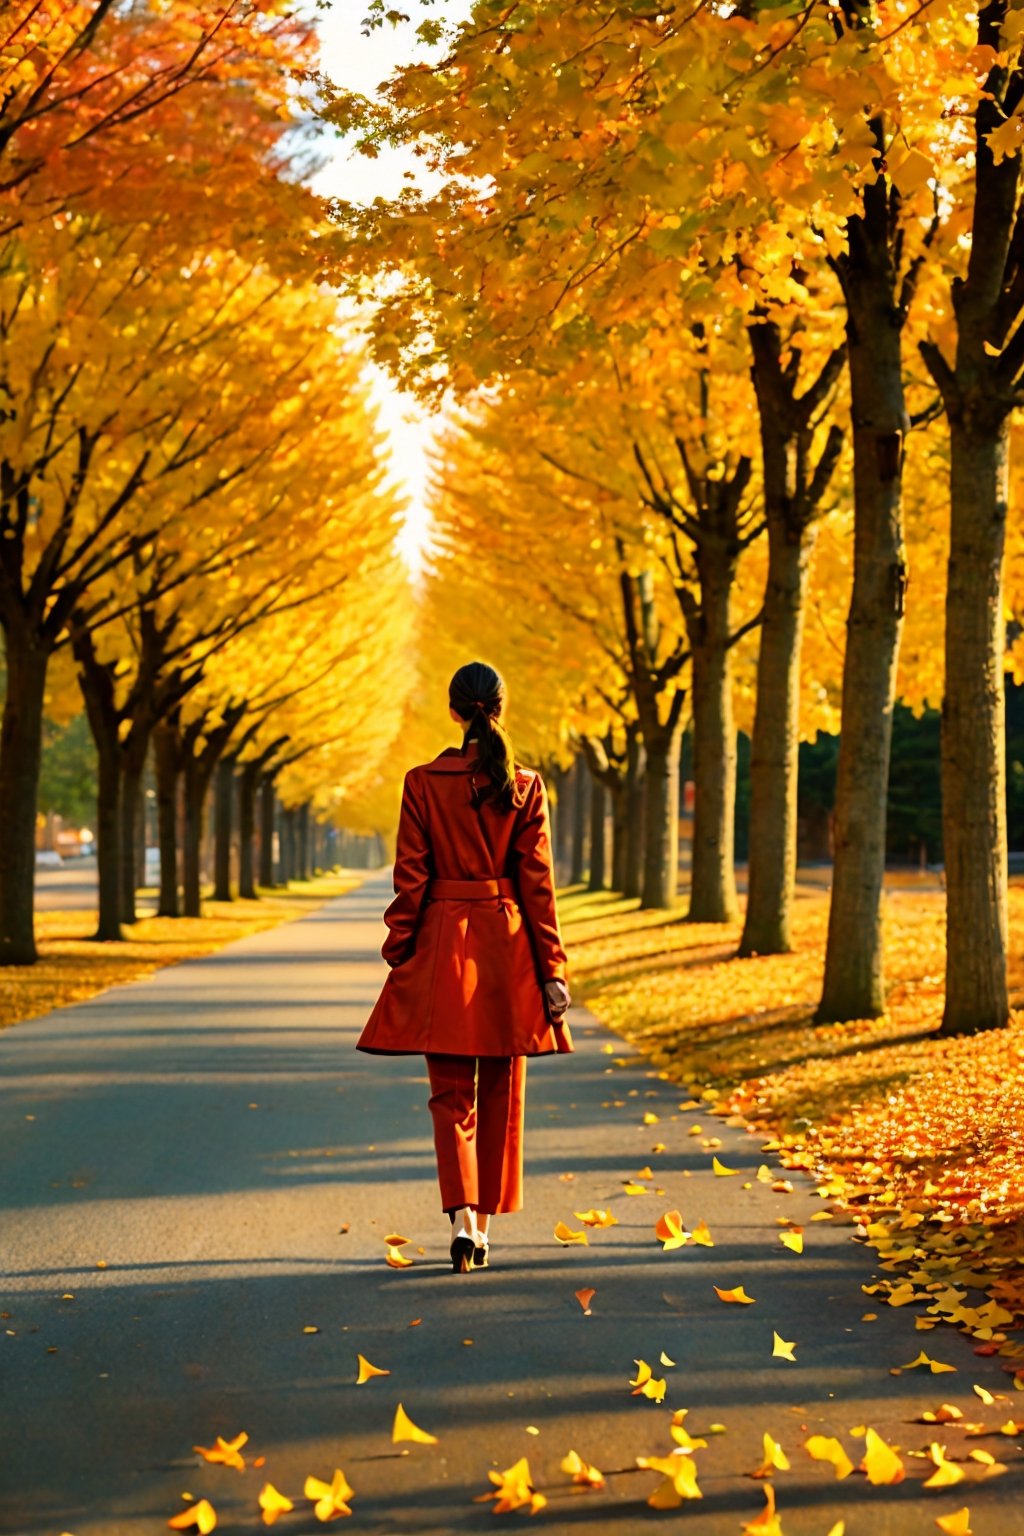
(478, 978)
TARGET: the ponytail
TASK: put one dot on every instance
(476, 693)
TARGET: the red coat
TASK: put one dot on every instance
(468, 962)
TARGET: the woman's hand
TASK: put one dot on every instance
(556, 996)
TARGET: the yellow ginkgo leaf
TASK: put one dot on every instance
(645, 1384)
(827, 1448)
(881, 1463)
(839, 1529)
(405, 1429)
(701, 1235)
(945, 1413)
(225, 1452)
(680, 1480)
(935, 1366)
(581, 1471)
(736, 1294)
(669, 1228)
(397, 1259)
(311, 1328)
(793, 1239)
(986, 1396)
(394, 1241)
(767, 1523)
(330, 1500)
(721, 1169)
(991, 350)
(665, 1359)
(565, 1234)
(629, 1188)
(273, 1504)
(957, 1524)
(203, 1515)
(650, 1118)
(946, 1472)
(781, 1350)
(514, 1489)
(775, 1458)
(366, 1370)
(596, 1218)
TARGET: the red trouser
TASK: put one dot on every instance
(477, 1104)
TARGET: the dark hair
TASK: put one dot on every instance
(477, 692)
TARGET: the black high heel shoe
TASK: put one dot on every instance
(463, 1252)
(480, 1253)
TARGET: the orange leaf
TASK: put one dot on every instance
(958, 1524)
(736, 1294)
(566, 1235)
(394, 1241)
(202, 1515)
(596, 1218)
(225, 1452)
(767, 1522)
(585, 1297)
(273, 1504)
(405, 1429)
(881, 1463)
(366, 1370)
(669, 1228)
(330, 1500)
(396, 1259)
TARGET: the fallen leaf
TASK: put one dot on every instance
(775, 1458)
(514, 1489)
(781, 1350)
(721, 1169)
(827, 1448)
(701, 1235)
(736, 1294)
(273, 1504)
(581, 1471)
(596, 1218)
(311, 1328)
(645, 1384)
(651, 1119)
(767, 1523)
(566, 1235)
(404, 1429)
(881, 1463)
(629, 1188)
(958, 1524)
(793, 1239)
(585, 1297)
(935, 1366)
(366, 1370)
(665, 1360)
(202, 1515)
(225, 1452)
(669, 1228)
(986, 1396)
(945, 1413)
(680, 1480)
(946, 1472)
(330, 1500)
(397, 1259)
(394, 1241)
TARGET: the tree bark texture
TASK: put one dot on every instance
(267, 818)
(973, 735)
(580, 784)
(248, 780)
(853, 985)
(166, 755)
(634, 797)
(713, 873)
(223, 808)
(598, 813)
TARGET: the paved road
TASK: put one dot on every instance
(73, 888)
(211, 1139)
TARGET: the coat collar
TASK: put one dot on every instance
(451, 760)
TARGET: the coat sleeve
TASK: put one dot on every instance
(412, 872)
(537, 882)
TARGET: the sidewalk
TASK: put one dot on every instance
(203, 1162)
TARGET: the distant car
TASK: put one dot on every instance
(47, 859)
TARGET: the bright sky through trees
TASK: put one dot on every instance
(360, 63)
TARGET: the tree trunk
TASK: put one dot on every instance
(661, 820)
(267, 872)
(302, 837)
(620, 838)
(973, 732)
(634, 797)
(224, 791)
(165, 750)
(131, 799)
(287, 845)
(580, 780)
(854, 984)
(775, 745)
(109, 786)
(713, 873)
(248, 779)
(195, 802)
(598, 813)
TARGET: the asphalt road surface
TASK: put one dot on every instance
(197, 1169)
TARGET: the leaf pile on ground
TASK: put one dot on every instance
(72, 967)
(919, 1136)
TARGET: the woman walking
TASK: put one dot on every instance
(478, 978)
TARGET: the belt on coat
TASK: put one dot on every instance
(473, 890)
